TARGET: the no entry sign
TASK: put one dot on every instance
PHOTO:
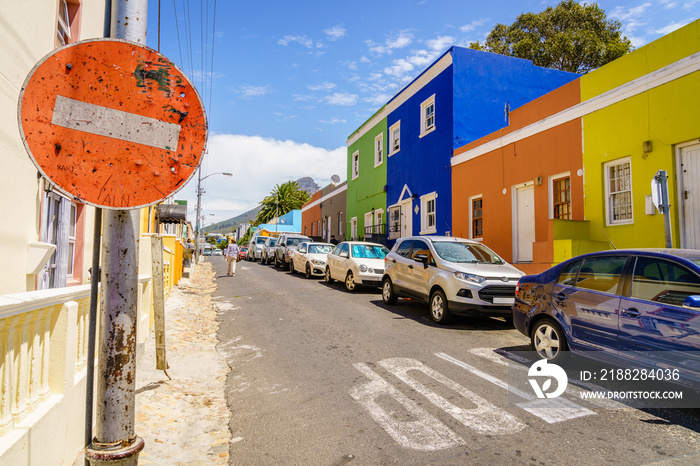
(112, 123)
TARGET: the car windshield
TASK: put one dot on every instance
(453, 251)
(295, 241)
(260, 240)
(367, 251)
(319, 249)
(273, 241)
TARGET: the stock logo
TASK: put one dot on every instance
(547, 371)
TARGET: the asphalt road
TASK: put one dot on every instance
(320, 376)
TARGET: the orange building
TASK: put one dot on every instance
(521, 188)
(311, 215)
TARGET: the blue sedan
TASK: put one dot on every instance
(641, 305)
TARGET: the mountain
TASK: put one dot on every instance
(227, 226)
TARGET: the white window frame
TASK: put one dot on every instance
(394, 223)
(353, 228)
(609, 196)
(355, 164)
(425, 126)
(471, 216)
(369, 222)
(425, 214)
(378, 219)
(72, 229)
(63, 24)
(378, 150)
(392, 147)
(550, 187)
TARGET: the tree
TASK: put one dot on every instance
(282, 199)
(572, 36)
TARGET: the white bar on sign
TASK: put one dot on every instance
(103, 121)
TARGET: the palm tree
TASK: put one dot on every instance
(283, 198)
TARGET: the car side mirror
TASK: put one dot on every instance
(344, 254)
(421, 258)
(692, 302)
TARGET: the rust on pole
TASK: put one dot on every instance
(115, 441)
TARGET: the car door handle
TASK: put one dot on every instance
(631, 312)
(393, 260)
(559, 297)
(410, 266)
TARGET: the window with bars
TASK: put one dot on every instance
(618, 177)
(562, 197)
(478, 217)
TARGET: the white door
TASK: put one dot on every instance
(524, 223)
(406, 218)
(690, 196)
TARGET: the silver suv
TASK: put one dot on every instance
(286, 243)
(452, 275)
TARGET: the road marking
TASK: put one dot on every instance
(486, 418)
(549, 410)
(103, 121)
(426, 433)
(501, 357)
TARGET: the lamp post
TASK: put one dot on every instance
(199, 208)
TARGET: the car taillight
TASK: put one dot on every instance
(517, 288)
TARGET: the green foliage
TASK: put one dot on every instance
(283, 198)
(572, 36)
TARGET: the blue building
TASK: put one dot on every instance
(464, 95)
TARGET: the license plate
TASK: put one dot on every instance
(503, 300)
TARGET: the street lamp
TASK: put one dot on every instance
(199, 208)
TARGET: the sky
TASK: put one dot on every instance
(284, 83)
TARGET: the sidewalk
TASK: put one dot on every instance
(184, 421)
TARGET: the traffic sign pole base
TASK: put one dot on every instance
(122, 453)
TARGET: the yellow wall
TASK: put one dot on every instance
(665, 115)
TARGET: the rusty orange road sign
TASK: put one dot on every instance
(112, 123)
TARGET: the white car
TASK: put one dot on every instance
(310, 258)
(356, 263)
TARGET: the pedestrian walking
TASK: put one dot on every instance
(231, 255)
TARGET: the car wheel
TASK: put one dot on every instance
(308, 271)
(548, 340)
(277, 264)
(327, 276)
(350, 281)
(292, 270)
(439, 310)
(285, 265)
(388, 295)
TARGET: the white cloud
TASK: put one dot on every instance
(397, 41)
(671, 27)
(341, 98)
(378, 99)
(627, 14)
(440, 43)
(242, 155)
(336, 32)
(473, 25)
(333, 121)
(248, 92)
(326, 86)
(302, 40)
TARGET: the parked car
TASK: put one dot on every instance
(286, 243)
(453, 275)
(641, 305)
(310, 258)
(242, 252)
(255, 248)
(207, 252)
(356, 263)
(268, 250)
(218, 252)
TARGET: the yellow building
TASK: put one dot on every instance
(641, 116)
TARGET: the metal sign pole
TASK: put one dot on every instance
(115, 440)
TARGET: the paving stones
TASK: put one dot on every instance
(185, 420)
